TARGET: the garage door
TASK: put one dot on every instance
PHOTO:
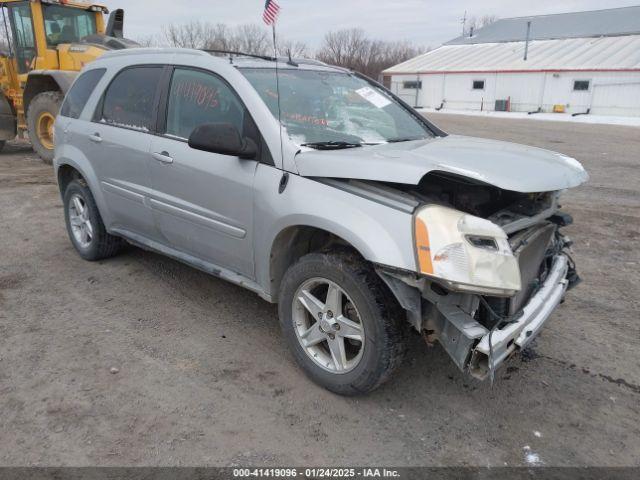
(622, 99)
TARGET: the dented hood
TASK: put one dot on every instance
(505, 165)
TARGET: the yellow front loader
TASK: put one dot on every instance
(45, 44)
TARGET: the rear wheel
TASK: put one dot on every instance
(84, 224)
(41, 118)
(343, 325)
(2, 144)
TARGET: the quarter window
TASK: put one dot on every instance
(197, 98)
(129, 100)
(80, 92)
(478, 84)
(581, 85)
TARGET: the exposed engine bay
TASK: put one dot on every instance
(480, 330)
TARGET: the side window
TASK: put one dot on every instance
(196, 98)
(129, 100)
(80, 92)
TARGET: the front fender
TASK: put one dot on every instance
(381, 234)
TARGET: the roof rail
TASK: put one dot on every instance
(302, 61)
(150, 51)
(239, 54)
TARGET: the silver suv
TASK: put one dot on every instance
(322, 191)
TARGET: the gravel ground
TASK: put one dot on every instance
(204, 377)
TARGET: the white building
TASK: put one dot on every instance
(579, 62)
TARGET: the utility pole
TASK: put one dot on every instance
(464, 23)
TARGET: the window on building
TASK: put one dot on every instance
(478, 84)
(80, 92)
(581, 85)
(197, 98)
(412, 85)
(128, 102)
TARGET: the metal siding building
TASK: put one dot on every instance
(582, 61)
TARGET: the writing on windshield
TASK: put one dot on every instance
(322, 106)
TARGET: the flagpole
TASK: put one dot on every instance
(275, 57)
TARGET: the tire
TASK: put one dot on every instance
(101, 244)
(44, 107)
(381, 319)
(2, 144)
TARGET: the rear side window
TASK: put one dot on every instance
(129, 100)
(197, 98)
(80, 92)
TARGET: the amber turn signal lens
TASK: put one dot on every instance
(423, 248)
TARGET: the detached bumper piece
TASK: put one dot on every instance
(520, 333)
(467, 341)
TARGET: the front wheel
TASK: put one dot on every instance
(41, 118)
(343, 325)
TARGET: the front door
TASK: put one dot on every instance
(203, 202)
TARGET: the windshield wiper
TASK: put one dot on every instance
(331, 145)
(400, 140)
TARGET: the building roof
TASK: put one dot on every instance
(576, 54)
(596, 23)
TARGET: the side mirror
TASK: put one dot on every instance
(222, 138)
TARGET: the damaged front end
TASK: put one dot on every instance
(493, 265)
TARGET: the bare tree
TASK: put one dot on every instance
(249, 38)
(194, 34)
(475, 23)
(293, 48)
(353, 49)
(148, 41)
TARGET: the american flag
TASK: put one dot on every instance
(271, 11)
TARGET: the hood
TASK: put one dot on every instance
(508, 166)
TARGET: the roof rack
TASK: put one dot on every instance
(294, 61)
(240, 54)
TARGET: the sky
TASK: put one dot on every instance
(423, 22)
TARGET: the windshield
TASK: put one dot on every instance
(67, 24)
(335, 107)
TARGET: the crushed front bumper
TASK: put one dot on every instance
(519, 334)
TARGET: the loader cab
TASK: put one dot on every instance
(47, 42)
(37, 30)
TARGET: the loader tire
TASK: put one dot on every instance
(41, 116)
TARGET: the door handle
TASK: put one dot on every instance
(95, 138)
(163, 157)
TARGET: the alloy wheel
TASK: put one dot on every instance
(328, 326)
(80, 221)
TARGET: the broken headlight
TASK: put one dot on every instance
(464, 252)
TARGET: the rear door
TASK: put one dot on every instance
(203, 201)
(118, 142)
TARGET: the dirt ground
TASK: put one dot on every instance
(205, 379)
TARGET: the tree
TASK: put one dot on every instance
(475, 23)
(249, 38)
(148, 41)
(354, 50)
(194, 34)
(294, 48)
